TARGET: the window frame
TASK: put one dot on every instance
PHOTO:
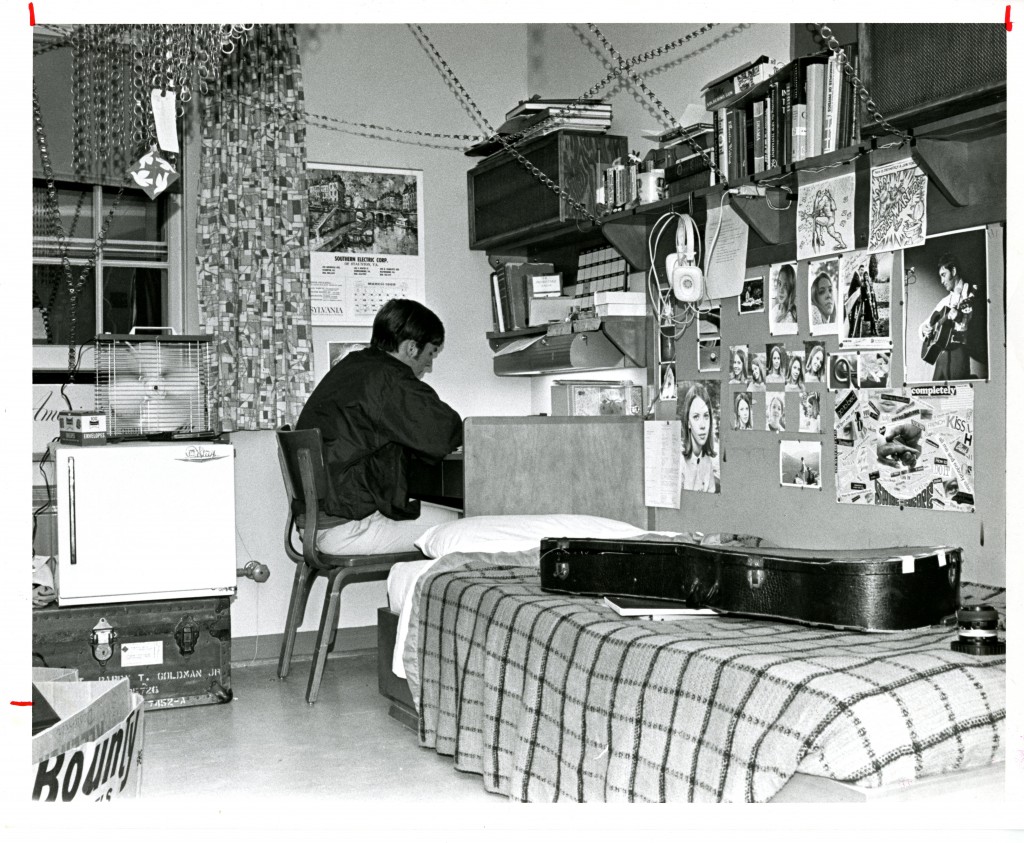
(50, 358)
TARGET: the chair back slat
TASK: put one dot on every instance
(290, 444)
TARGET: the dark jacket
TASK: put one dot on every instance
(373, 414)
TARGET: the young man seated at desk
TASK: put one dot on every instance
(376, 415)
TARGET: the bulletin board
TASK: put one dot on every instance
(762, 491)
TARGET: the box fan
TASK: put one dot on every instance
(156, 386)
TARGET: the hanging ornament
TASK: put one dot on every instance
(153, 173)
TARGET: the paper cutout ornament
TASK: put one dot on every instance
(153, 173)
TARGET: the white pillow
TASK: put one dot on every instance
(510, 533)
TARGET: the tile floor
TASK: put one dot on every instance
(268, 742)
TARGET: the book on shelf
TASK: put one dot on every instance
(649, 607)
(805, 109)
(730, 86)
(497, 311)
(516, 277)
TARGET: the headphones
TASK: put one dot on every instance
(682, 273)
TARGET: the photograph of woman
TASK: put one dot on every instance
(738, 364)
(782, 313)
(795, 371)
(814, 367)
(775, 415)
(821, 294)
(757, 367)
(810, 412)
(776, 356)
(741, 405)
(697, 412)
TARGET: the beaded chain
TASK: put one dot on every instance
(858, 85)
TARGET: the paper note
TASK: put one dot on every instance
(662, 464)
(725, 259)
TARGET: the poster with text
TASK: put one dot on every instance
(824, 217)
(909, 447)
(897, 206)
(946, 308)
(365, 240)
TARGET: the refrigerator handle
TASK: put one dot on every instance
(71, 510)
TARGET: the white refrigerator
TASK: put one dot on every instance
(144, 521)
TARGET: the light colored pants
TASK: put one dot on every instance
(378, 534)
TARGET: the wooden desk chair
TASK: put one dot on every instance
(305, 479)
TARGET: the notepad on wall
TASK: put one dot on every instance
(645, 607)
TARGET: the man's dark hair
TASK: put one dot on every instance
(949, 261)
(404, 319)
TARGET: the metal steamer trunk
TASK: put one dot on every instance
(872, 590)
(175, 653)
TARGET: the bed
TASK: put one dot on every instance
(554, 697)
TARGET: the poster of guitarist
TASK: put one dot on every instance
(947, 331)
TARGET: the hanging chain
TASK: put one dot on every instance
(655, 52)
(858, 85)
(515, 153)
(52, 208)
(722, 180)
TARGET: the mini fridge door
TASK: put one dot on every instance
(144, 521)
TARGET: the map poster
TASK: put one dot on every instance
(906, 447)
(365, 240)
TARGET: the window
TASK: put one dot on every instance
(132, 283)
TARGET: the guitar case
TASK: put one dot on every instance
(867, 590)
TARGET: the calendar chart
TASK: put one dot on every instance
(365, 230)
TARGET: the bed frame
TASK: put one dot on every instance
(537, 464)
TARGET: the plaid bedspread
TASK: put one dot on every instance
(553, 697)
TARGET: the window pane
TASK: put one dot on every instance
(51, 311)
(75, 203)
(133, 297)
(136, 217)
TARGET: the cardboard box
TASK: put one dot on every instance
(83, 427)
(596, 398)
(93, 753)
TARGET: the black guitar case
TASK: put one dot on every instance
(868, 590)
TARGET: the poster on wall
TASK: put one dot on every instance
(365, 240)
(946, 308)
(897, 208)
(782, 310)
(824, 217)
(822, 296)
(865, 288)
(699, 411)
(906, 447)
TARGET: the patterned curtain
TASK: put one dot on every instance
(252, 249)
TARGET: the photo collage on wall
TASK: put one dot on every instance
(909, 447)
(895, 443)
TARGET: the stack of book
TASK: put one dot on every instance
(685, 168)
(803, 110)
(536, 117)
(513, 289)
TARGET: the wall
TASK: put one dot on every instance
(564, 61)
(381, 75)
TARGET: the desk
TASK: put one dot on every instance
(440, 483)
